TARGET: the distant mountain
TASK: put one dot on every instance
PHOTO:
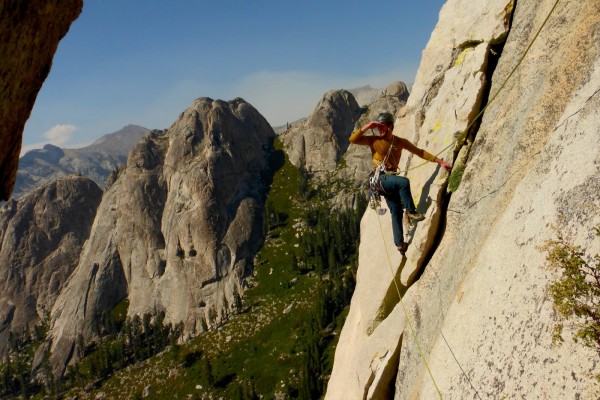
(318, 143)
(95, 161)
(282, 128)
(365, 95)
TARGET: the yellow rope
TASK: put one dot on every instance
(463, 134)
(412, 330)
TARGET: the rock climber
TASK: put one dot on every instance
(385, 150)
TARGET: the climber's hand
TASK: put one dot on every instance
(445, 165)
(370, 125)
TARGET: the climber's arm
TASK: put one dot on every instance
(357, 136)
(405, 144)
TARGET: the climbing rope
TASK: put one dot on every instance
(461, 137)
(411, 328)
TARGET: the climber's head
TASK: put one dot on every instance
(385, 121)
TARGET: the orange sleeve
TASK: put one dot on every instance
(358, 138)
(405, 144)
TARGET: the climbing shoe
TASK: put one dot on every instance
(402, 248)
(414, 216)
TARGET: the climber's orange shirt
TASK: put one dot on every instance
(380, 148)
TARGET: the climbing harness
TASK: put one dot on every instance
(375, 190)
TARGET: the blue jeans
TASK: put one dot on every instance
(398, 197)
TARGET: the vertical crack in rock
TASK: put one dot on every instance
(385, 385)
(390, 300)
(460, 160)
(464, 139)
(432, 93)
(91, 280)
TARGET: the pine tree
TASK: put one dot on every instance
(238, 393)
(303, 182)
(225, 307)
(80, 346)
(212, 316)
(12, 341)
(250, 391)
(237, 300)
(266, 220)
(93, 366)
(137, 343)
(21, 374)
(174, 337)
(206, 372)
(319, 265)
(7, 377)
(331, 260)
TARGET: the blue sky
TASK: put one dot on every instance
(144, 62)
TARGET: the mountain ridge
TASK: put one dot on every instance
(95, 161)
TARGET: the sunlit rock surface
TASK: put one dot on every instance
(475, 303)
(177, 230)
(41, 237)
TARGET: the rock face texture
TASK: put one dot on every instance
(41, 237)
(177, 230)
(473, 283)
(319, 143)
(95, 161)
(30, 33)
